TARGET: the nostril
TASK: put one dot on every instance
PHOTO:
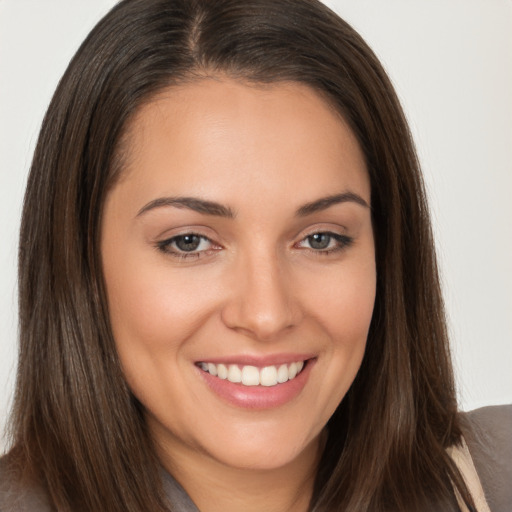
(261, 324)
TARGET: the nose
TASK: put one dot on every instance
(262, 301)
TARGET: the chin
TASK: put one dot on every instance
(257, 452)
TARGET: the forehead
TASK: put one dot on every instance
(214, 133)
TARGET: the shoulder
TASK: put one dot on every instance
(488, 434)
(15, 497)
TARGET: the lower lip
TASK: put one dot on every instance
(258, 397)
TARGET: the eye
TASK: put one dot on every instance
(186, 245)
(325, 242)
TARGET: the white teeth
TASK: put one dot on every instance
(250, 376)
(282, 374)
(222, 371)
(234, 373)
(268, 376)
(253, 376)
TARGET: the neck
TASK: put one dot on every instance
(213, 487)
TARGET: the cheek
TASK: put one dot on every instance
(154, 315)
(344, 304)
(344, 308)
(348, 310)
(154, 309)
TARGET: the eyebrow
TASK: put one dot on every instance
(192, 203)
(326, 202)
(219, 210)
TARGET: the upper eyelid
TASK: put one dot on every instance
(325, 230)
(322, 227)
(172, 232)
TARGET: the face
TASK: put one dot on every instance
(238, 256)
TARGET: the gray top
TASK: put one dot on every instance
(177, 495)
(489, 439)
(488, 434)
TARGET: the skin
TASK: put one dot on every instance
(255, 286)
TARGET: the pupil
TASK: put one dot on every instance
(319, 241)
(188, 242)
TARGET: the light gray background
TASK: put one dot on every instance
(451, 62)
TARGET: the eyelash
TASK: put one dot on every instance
(342, 242)
(165, 246)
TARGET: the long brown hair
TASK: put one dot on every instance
(76, 427)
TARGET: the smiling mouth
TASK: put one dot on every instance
(248, 375)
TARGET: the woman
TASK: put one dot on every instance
(192, 331)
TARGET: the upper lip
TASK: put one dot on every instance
(260, 361)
